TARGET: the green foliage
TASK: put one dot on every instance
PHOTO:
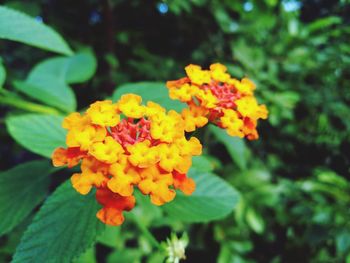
(155, 91)
(19, 27)
(71, 70)
(64, 228)
(22, 188)
(213, 199)
(235, 146)
(38, 133)
(39, 87)
(2, 74)
(292, 183)
(48, 80)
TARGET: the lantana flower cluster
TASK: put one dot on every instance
(124, 145)
(214, 96)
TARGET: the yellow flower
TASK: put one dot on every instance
(183, 93)
(245, 86)
(93, 174)
(154, 110)
(107, 151)
(84, 136)
(157, 186)
(130, 105)
(197, 75)
(169, 156)
(83, 182)
(172, 159)
(207, 99)
(194, 117)
(167, 127)
(124, 177)
(143, 154)
(248, 107)
(104, 113)
(232, 123)
(76, 121)
(218, 72)
(189, 147)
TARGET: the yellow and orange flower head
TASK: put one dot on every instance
(124, 145)
(214, 96)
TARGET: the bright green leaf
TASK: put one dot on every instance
(20, 27)
(234, 145)
(150, 91)
(38, 133)
(255, 221)
(22, 188)
(2, 74)
(64, 228)
(213, 199)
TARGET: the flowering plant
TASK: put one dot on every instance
(126, 144)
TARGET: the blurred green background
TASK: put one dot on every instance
(294, 181)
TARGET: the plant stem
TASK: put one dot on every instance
(26, 105)
(145, 231)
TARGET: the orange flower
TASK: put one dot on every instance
(212, 95)
(126, 145)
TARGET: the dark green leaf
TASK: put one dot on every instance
(234, 145)
(64, 228)
(38, 133)
(213, 199)
(20, 27)
(22, 188)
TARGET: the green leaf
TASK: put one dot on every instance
(20, 27)
(234, 145)
(2, 74)
(64, 228)
(255, 221)
(49, 90)
(213, 199)
(75, 69)
(80, 67)
(150, 91)
(111, 237)
(22, 188)
(38, 133)
(323, 23)
(203, 163)
(88, 257)
(130, 255)
(48, 81)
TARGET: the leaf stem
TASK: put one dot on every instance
(25, 105)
